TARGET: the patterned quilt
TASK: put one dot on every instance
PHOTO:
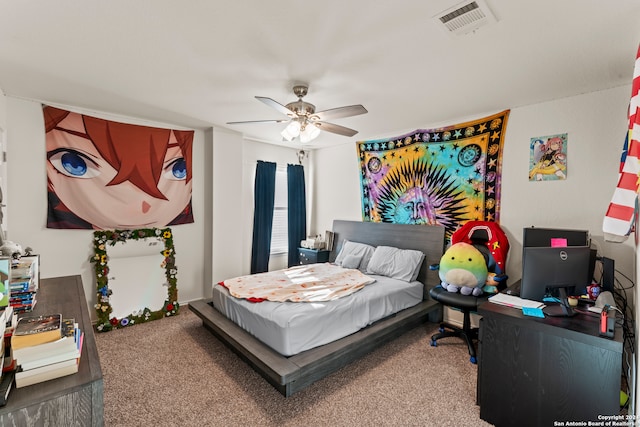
(304, 283)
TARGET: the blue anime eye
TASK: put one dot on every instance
(176, 170)
(73, 163)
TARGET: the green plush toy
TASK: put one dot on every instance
(463, 268)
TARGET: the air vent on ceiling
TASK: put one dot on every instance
(466, 17)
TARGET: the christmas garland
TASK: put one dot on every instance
(101, 239)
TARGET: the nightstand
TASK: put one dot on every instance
(312, 256)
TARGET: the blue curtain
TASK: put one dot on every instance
(296, 211)
(264, 192)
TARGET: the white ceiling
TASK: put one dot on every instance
(199, 63)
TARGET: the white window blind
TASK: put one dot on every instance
(279, 232)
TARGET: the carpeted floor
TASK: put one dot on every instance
(173, 372)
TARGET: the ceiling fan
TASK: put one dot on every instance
(304, 121)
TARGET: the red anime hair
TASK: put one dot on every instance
(135, 152)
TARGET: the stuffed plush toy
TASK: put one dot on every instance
(493, 283)
(463, 268)
(11, 249)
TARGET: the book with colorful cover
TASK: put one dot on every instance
(34, 330)
(22, 290)
(29, 292)
(23, 299)
(24, 306)
(20, 284)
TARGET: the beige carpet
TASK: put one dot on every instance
(173, 372)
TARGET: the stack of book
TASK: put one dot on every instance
(23, 284)
(44, 348)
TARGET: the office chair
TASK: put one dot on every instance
(491, 241)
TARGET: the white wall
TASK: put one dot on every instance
(595, 124)
(227, 204)
(3, 111)
(3, 169)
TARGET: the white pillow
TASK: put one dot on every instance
(352, 261)
(356, 249)
(401, 264)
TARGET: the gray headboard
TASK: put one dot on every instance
(426, 238)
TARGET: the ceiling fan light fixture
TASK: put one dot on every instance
(304, 121)
(309, 133)
(291, 131)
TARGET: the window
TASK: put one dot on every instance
(279, 232)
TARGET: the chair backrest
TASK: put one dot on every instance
(489, 239)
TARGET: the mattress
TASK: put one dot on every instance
(290, 328)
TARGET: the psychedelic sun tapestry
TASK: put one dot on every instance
(109, 175)
(445, 176)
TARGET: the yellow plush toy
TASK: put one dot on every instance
(463, 268)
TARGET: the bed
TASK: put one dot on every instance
(292, 373)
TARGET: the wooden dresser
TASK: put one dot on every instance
(74, 400)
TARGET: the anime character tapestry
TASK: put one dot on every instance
(103, 174)
(445, 176)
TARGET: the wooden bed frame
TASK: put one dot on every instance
(289, 374)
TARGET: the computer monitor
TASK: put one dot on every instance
(542, 237)
(556, 271)
(545, 237)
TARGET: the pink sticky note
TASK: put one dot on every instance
(558, 242)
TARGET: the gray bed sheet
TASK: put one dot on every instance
(290, 328)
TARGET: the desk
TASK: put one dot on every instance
(532, 371)
(74, 400)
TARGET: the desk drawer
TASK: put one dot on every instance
(312, 256)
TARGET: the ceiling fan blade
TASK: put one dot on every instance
(274, 104)
(333, 128)
(258, 121)
(337, 113)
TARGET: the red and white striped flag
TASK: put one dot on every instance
(621, 214)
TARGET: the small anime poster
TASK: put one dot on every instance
(548, 158)
(106, 175)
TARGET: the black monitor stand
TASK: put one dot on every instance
(563, 309)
